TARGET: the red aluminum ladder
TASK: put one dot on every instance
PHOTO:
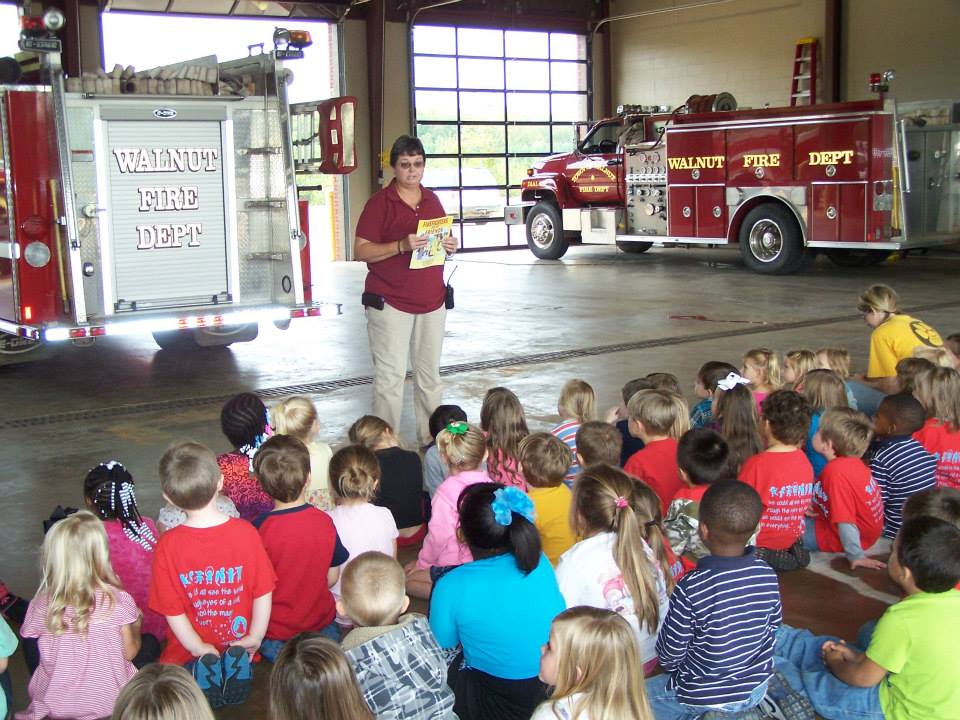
(803, 88)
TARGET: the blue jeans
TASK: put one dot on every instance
(868, 398)
(666, 706)
(797, 657)
(810, 535)
(270, 649)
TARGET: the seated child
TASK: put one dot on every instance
(161, 692)
(297, 416)
(664, 381)
(796, 364)
(838, 360)
(659, 419)
(909, 669)
(384, 640)
(732, 599)
(824, 390)
(783, 477)
(847, 512)
(592, 663)
(462, 449)
(908, 369)
(703, 457)
(598, 443)
(761, 367)
(505, 424)
(938, 390)
(401, 477)
(86, 626)
(544, 459)
(577, 405)
(653, 533)
(302, 544)
(246, 424)
(900, 465)
(312, 678)
(709, 374)
(208, 559)
(108, 492)
(620, 417)
(434, 471)
(361, 526)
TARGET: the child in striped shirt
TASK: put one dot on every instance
(716, 643)
(900, 464)
(576, 406)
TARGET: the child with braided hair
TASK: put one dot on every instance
(246, 423)
(108, 491)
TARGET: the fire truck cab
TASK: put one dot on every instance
(853, 179)
(161, 202)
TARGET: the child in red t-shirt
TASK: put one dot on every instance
(212, 580)
(703, 457)
(847, 512)
(938, 390)
(302, 543)
(783, 477)
(658, 418)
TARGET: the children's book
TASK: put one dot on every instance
(432, 253)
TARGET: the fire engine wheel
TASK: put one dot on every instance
(187, 340)
(545, 232)
(770, 240)
(15, 350)
(635, 247)
(857, 258)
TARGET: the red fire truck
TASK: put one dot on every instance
(173, 213)
(782, 183)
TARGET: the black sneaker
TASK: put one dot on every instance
(779, 559)
(208, 674)
(237, 675)
(782, 702)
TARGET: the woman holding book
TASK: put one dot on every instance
(404, 294)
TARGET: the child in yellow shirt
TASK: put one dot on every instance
(544, 460)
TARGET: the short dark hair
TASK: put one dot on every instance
(938, 502)
(905, 411)
(282, 465)
(599, 442)
(731, 510)
(704, 456)
(664, 381)
(788, 414)
(406, 145)
(712, 372)
(632, 387)
(443, 416)
(930, 549)
(486, 537)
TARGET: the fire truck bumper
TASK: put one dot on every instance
(516, 214)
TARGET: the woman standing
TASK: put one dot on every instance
(895, 336)
(405, 307)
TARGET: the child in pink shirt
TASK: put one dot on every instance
(462, 449)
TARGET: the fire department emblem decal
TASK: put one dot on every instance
(164, 113)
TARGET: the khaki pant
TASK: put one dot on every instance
(394, 336)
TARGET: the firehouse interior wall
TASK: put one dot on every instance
(746, 47)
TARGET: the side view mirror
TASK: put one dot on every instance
(336, 135)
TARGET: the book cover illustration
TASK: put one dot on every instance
(432, 253)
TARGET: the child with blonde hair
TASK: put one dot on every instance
(838, 360)
(401, 477)
(738, 420)
(161, 692)
(87, 627)
(576, 406)
(613, 567)
(297, 416)
(462, 449)
(796, 364)
(361, 526)
(907, 371)
(592, 663)
(761, 367)
(939, 356)
(544, 459)
(659, 419)
(313, 679)
(824, 390)
(503, 420)
(938, 390)
(654, 534)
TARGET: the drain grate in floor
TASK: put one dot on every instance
(326, 386)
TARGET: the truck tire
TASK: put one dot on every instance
(634, 248)
(175, 341)
(212, 337)
(857, 258)
(770, 240)
(545, 232)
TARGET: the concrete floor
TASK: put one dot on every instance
(530, 325)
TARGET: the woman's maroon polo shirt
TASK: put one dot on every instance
(386, 218)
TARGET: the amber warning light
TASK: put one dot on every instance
(289, 44)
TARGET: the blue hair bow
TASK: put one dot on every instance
(509, 500)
